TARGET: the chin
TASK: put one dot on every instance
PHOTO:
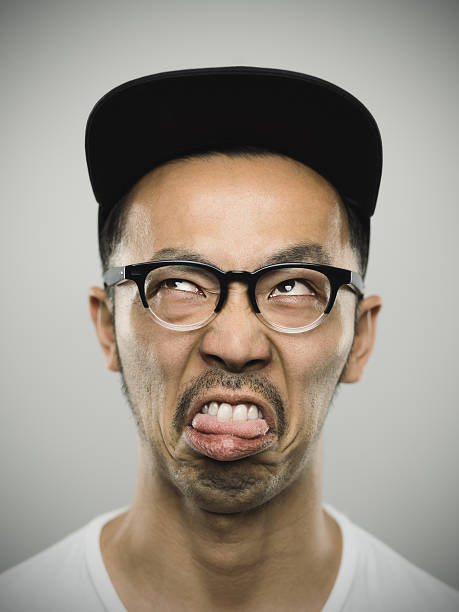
(227, 487)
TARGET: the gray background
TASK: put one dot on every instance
(67, 440)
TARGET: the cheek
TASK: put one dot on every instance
(153, 359)
(146, 342)
(317, 360)
(313, 371)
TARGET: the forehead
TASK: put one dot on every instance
(235, 211)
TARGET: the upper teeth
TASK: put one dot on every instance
(227, 412)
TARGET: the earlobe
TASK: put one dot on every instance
(364, 339)
(101, 315)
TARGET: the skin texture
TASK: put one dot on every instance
(239, 535)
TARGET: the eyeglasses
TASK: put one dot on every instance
(187, 295)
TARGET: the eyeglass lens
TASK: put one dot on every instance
(185, 295)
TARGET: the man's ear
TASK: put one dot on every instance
(364, 340)
(101, 315)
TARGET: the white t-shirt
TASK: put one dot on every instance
(70, 576)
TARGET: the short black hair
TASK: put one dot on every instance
(112, 231)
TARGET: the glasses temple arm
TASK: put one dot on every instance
(114, 276)
(357, 284)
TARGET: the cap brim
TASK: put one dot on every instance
(149, 120)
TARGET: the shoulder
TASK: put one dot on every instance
(55, 579)
(386, 581)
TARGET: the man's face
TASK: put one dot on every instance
(235, 213)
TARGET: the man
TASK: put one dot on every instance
(234, 225)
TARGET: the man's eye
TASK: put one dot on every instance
(180, 285)
(292, 287)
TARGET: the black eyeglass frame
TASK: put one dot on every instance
(338, 277)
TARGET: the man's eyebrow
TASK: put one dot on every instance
(305, 252)
(180, 253)
(302, 252)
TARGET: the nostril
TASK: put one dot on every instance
(215, 358)
(234, 365)
(254, 363)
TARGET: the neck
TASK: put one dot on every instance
(286, 544)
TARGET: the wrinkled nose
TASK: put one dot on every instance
(236, 340)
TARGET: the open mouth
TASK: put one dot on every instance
(228, 431)
(236, 409)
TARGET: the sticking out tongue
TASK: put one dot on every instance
(206, 423)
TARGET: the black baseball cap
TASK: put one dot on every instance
(150, 120)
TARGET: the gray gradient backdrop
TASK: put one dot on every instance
(67, 439)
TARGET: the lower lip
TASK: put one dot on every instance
(226, 447)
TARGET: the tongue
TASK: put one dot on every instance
(206, 423)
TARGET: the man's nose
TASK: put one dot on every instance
(236, 340)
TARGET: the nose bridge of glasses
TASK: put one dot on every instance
(237, 276)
